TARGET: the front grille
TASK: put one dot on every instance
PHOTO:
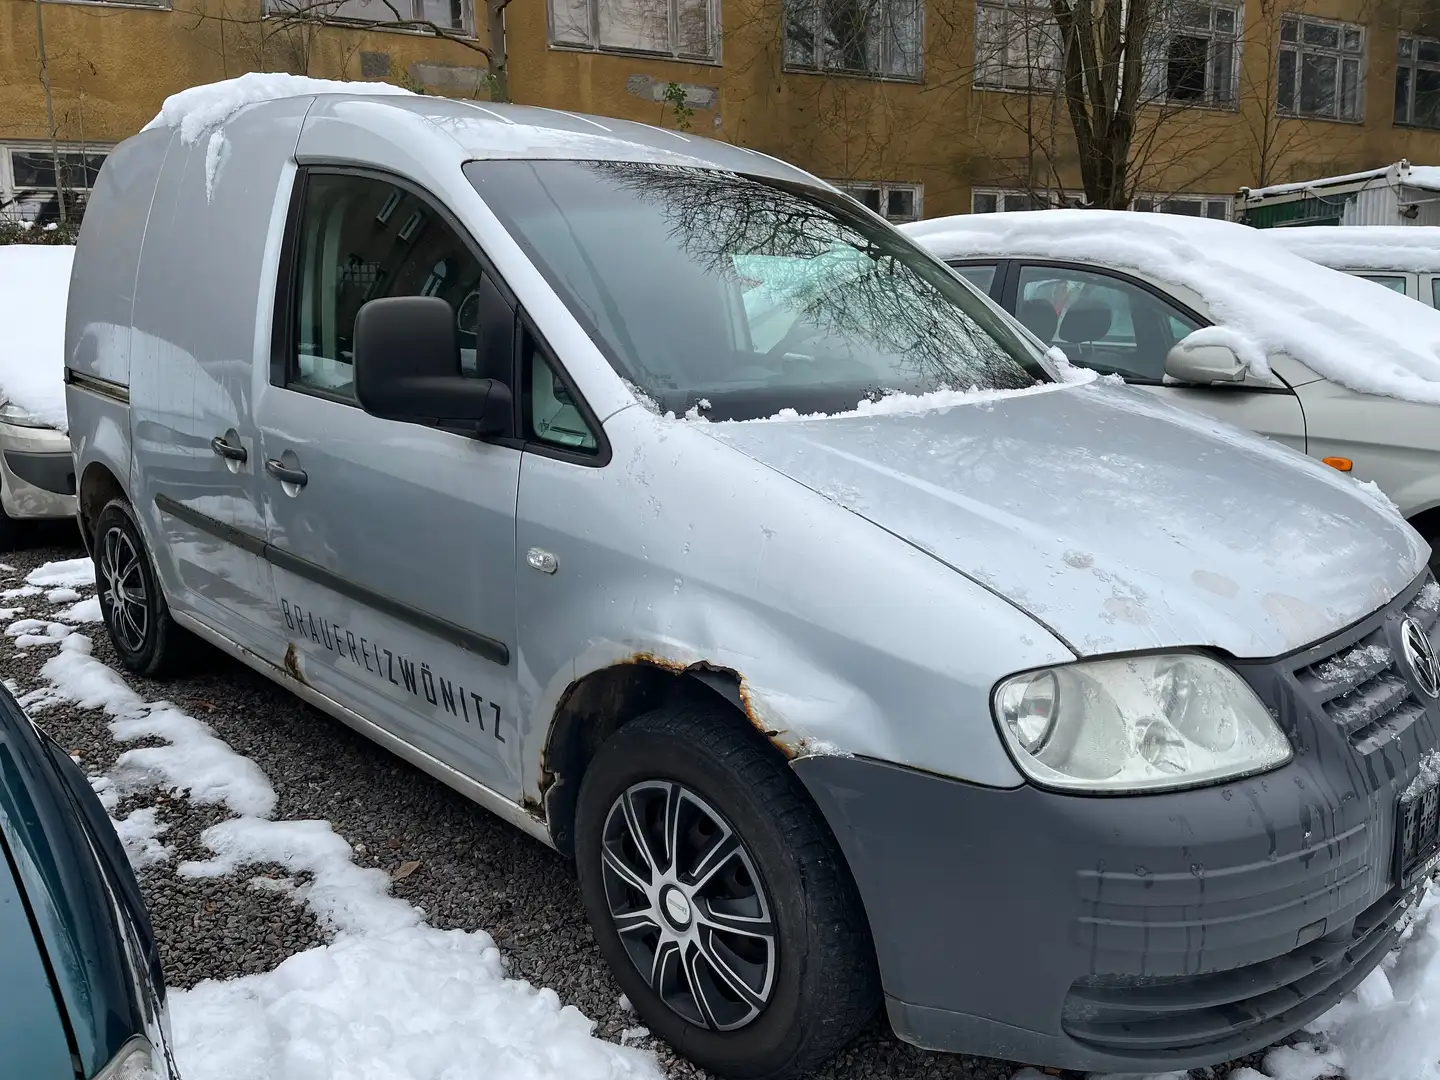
(1157, 1013)
(1362, 687)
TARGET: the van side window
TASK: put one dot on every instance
(551, 415)
(362, 238)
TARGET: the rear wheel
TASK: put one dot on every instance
(131, 603)
(719, 897)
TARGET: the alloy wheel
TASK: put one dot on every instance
(124, 585)
(688, 904)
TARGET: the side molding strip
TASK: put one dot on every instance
(497, 652)
(104, 387)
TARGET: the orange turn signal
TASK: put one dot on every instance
(1344, 464)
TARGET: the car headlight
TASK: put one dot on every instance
(135, 1061)
(1139, 723)
(10, 413)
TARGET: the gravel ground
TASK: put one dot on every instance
(475, 872)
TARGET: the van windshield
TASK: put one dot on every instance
(749, 294)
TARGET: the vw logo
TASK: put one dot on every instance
(1420, 656)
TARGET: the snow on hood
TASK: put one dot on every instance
(1371, 340)
(34, 288)
(1414, 248)
(201, 108)
(1116, 520)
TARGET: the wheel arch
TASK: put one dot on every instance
(98, 486)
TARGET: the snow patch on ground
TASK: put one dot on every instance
(62, 596)
(84, 611)
(446, 1012)
(68, 573)
(34, 289)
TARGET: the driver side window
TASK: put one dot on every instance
(1101, 322)
(362, 238)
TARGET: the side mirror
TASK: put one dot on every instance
(1207, 363)
(407, 368)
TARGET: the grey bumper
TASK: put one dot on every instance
(1138, 933)
(37, 473)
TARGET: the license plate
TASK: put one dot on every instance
(1418, 832)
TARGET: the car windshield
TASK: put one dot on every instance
(745, 296)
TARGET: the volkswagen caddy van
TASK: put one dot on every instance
(676, 508)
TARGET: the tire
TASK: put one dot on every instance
(137, 618)
(728, 791)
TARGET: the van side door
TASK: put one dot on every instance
(392, 545)
(1116, 324)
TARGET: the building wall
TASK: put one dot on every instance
(112, 65)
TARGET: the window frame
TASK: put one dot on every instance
(1030, 83)
(10, 193)
(1064, 200)
(1171, 25)
(713, 28)
(1414, 65)
(297, 7)
(1299, 49)
(1158, 204)
(819, 67)
(884, 187)
(282, 325)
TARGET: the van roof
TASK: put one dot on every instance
(481, 129)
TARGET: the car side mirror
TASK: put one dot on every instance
(407, 368)
(1207, 363)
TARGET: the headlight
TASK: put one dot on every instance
(10, 413)
(135, 1061)
(1142, 723)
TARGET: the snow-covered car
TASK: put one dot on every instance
(37, 467)
(1220, 318)
(860, 653)
(1403, 258)
(83, 991)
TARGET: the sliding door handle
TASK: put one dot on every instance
(286, 475)
(229, 451)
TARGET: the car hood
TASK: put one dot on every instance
(1117, 521)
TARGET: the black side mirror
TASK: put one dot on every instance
(407, 368)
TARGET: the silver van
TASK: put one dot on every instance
(1403, 258)
(669, 504)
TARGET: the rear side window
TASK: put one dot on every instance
(362, 238)
(1393, 282)
(980, 276)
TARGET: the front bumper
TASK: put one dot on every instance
(37, 473)
(1140, 933)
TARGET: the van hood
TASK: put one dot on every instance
(1117, 521)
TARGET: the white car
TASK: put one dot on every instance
(1403, 258)
(37, 468)
(1218, 317)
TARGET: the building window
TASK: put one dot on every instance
(28, 180)
(879, 38)
(454, 15)
(1210, 206)
(893, 202)
(1320, 68)
(1191, 58)
(681, 29)
(1417, 83)
(993, 200)
(1017, 45)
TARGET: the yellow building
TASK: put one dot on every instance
(922, 108)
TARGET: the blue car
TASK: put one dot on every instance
(82, 996)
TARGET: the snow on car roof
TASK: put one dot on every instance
(34, 287)
(1353, 332)
(1365, 247)
(481, 129)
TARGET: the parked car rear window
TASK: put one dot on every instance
(749, 293)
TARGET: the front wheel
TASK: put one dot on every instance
(136, 616)
(719, 898)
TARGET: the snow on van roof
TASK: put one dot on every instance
(1366, 338)
(1413, 248)
(34, 287)
(200, 108)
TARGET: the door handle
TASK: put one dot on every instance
(227, 450)
(278, 469)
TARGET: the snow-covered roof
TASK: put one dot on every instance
(34, 288)
(1422, 177)
(482, 129)
(1353, 332)
(1365, 247)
